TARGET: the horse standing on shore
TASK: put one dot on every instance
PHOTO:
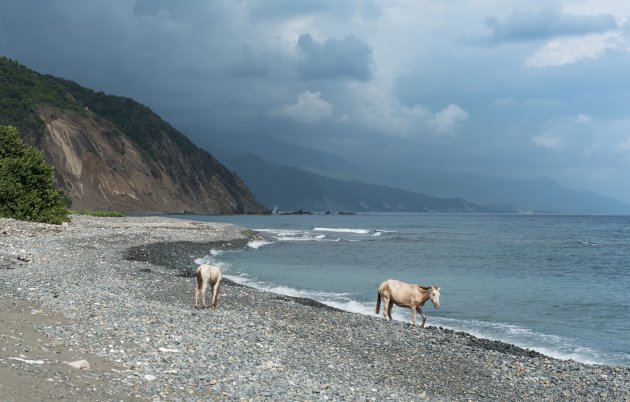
(406, 295)
(207, 274)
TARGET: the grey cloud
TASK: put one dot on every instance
(287, 8)
(345, 58)
(252, 64)
(547, 23)
(310, 108)
(57, 39)
(282, 9)
(179, 10)
(227, 66)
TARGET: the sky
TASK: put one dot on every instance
(511, 88)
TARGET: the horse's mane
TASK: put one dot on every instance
(425, 287)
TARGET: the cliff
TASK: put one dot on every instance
(111, 152)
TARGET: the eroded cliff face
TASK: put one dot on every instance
(98, 167)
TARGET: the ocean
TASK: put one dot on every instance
(557, 284)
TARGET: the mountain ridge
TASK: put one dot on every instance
(541, 195)
(291, 188)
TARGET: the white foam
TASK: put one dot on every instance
(209, 259)
(203, 260)
(315, 235)
(302, 238)
(306, 238)
(342, 230)
(289, 235)
(579, 356)
(309, 294)
(256, 244)
(212, 261)
(352, 306)
(242, 279)
(286, 290)
(282, 232)
(554, 346)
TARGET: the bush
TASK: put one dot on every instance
(27, 191)
(106, 214)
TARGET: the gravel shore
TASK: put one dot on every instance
(119, 293)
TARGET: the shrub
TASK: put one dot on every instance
(107, 214)
(27, 191)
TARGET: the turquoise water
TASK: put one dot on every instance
(556, 284)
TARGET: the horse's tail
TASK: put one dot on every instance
(378, 302)
(199, 278)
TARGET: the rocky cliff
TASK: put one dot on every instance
(111, 152)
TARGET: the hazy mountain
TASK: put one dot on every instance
(541, 195)
(230, 145)
(111, 152)
(291, 188)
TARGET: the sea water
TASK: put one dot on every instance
(556, 284)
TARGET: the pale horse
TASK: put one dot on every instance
(207, 274)
(406, 295)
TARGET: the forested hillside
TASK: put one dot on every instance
(112, 152)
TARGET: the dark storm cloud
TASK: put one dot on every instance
(545, 24)
(368, 80)
(252, 63)
(335, 58)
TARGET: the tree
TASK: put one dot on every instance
(27, 191)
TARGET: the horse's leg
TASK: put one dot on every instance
(203, 294)
(413, 315)
(390, 304)
(215, 293)
(424, 317)
(385, 307)
(197, 295)
(197, 287)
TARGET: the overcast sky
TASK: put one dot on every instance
(517, 88)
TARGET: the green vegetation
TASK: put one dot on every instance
(107, 214)
(27, 191)
(23, 91)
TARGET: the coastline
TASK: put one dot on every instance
(119, 292)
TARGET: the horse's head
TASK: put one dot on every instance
(435, 297)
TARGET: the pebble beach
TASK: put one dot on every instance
(119, 294)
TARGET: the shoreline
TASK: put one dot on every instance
(120, 285)
(169, 254)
